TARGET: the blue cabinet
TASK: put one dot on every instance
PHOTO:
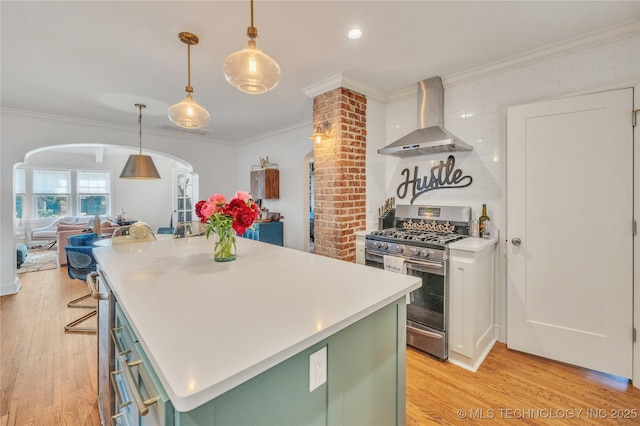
(267, 232)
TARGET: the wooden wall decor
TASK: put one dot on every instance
(265, 184)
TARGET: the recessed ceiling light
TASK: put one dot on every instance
(355, 34)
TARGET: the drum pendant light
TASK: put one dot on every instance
(140, 166)
(188, 113)
(250, 70)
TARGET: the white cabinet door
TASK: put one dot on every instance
(569, 207)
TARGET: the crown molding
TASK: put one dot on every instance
(404, 94)
(552, 51)
(303, 124)
(339, 80)
(158, 130)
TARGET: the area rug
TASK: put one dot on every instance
(39, 259)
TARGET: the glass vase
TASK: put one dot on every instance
(225, 245)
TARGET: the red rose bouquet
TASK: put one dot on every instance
(221, 217)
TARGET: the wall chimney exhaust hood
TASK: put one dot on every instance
(431, 136)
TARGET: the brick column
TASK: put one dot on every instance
(340, 175)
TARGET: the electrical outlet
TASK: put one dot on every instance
(317, 368)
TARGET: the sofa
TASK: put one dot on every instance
(49, 232)
(65, 230)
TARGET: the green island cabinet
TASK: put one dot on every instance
(362, 359)
(235, 343)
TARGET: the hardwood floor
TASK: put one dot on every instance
(513, 388)
(48, 377)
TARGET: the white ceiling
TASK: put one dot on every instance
(95, 60)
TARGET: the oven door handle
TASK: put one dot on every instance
(424, 333)
(425, 264)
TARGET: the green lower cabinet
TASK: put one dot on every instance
(367, 371)
(365, 383)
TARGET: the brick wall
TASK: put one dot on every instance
(340, 173)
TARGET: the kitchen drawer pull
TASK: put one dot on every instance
(116, 341)
(119, 399)
(93, 288)
(424, 333)
(114, 419)
(143, 405)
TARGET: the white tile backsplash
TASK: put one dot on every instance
(487, 99)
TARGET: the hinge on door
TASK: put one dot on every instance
(633, 117)
(634, 227)
(634, 335)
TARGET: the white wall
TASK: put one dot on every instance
(288, 150)
(21, 133)
(475, 111)
(377, 181)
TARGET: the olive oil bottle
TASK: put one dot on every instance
(483, 219)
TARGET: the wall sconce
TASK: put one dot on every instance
(321, 133)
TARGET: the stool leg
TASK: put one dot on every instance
(72, 326)
(75, 303)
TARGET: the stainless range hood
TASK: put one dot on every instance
(431, 136)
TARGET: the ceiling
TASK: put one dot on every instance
(94, 60)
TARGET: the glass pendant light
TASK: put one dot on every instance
(188, 113)
(250, 70)
(140, 166)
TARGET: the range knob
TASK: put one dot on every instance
(378, 244)
(400, 249)
(415, 251)
(425, 253)
(385, 246)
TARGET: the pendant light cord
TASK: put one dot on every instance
(252, 13)
(252, 31)
(140, 126)
(189, 88)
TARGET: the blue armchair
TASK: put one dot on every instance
(80, 263)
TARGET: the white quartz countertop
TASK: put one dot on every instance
(208, 327)
(473, 244)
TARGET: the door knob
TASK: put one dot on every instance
(516, 241)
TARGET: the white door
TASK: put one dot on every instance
(569, 230)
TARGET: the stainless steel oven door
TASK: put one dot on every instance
(427, 312)
(429, 301)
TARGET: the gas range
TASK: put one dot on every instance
(418, 245)
(421, 231)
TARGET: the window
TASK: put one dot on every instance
(184, 206)
(51, 191)
(94, 193)
(18, 179)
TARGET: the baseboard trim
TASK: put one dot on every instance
(10, 288)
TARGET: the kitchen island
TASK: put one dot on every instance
(230, 343)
